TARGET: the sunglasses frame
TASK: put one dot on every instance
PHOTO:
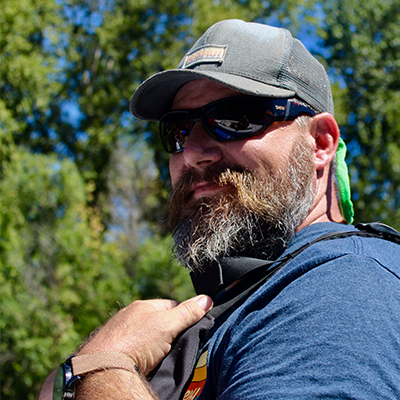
(274, 110)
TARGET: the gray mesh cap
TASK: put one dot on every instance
(252, 58)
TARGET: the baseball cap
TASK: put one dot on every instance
(254, 59)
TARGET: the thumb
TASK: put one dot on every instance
(189, 312)
(203, 301)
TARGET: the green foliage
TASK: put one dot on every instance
(80, 194)
(157, 274)
(59, 277)
(104, 50)
(364, 46)
(28, 64)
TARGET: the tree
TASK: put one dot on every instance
(361, 40)
(75, 168)
(56, 280)
(28, 66)
(99, 52)
(60, 276)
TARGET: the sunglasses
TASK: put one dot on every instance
(228, 119)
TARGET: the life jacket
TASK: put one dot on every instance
(182, 373)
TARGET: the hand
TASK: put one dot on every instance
(145, 330)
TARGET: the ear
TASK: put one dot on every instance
(326, 134)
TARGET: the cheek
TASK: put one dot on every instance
(175, 167)
(258, 156)
(270, 151)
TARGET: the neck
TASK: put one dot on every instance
(326, 206)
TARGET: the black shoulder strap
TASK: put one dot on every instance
(223, 273)
(380, 230)
(375, 230)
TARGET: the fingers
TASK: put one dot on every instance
(166, 326)
(157, 304)
(145, 330)
(180, 315)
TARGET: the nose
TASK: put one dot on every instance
(201, 150)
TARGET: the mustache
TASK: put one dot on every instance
(219, 174)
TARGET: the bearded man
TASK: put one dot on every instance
(304, 305)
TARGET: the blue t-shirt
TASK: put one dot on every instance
(327, 325)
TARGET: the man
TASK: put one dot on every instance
(256, 177)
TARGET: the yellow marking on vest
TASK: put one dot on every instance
(200, 374)
(202, 360)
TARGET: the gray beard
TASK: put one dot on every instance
(258, 218)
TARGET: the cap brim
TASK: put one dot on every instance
(154, 97)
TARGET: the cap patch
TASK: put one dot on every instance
(205, 54)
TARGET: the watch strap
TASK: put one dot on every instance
(85, 363)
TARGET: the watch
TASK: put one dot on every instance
(71, 372)
(65, 382)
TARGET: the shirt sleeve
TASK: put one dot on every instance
(332, 333)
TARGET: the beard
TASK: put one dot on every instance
(253, 216)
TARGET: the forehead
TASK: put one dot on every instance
(196, 94)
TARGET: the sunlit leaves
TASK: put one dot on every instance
(81, 196)
(363, 40)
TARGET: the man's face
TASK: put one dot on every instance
(244, 197)
(270, 149)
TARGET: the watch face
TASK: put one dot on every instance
(65, 382)
(59, 384)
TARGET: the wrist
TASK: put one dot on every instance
(114, 384)
(104, 360)
(72, 371)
